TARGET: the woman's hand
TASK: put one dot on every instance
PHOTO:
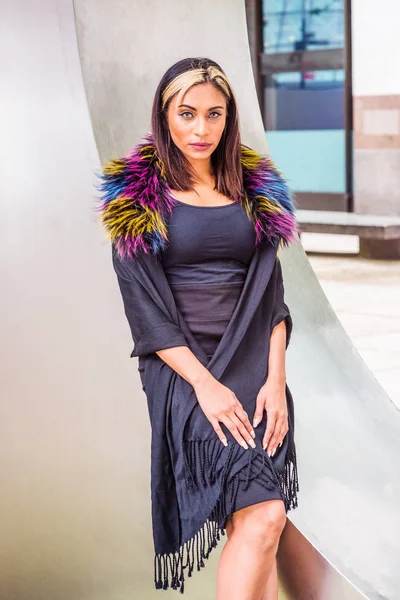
(272, 398)
(219, 403)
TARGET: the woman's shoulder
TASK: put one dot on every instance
(258, 165)
(132, 197)
(128, 168)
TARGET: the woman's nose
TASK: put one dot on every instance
(201, 127)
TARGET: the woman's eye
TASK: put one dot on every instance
(186, 112)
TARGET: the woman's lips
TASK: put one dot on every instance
(200, 146)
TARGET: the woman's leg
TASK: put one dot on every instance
(248, 557)
(271, 589)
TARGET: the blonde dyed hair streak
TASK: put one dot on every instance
(186, 80)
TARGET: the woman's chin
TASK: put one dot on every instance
(200, 154)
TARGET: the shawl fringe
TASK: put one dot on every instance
(135, 200)
(201, 458)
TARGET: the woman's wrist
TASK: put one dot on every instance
(200, 378)
(186, 364)
(278, 377)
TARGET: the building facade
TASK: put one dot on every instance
(329, 90)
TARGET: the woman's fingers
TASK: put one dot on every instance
(275, 431)
(219, 432)
(242, 430)
(244, 417)
(227, 421)
(220, 404)
(270, 430)
(236, 420)
(283, 431)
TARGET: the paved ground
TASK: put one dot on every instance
(365, 295)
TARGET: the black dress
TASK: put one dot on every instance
(206, 262)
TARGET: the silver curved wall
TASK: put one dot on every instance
(74, 426)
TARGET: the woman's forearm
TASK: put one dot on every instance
(186, 364)
(277, 353)
(218, 402)
(182, 360)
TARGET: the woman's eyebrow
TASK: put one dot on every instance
(193, 108)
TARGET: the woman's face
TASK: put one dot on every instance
(199, 118)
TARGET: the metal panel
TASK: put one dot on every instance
(75, 435)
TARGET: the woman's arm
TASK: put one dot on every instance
(154, 331)
(218, 402)
(272, 395)
(277, 353)
(182, 360)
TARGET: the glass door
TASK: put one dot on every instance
(307, 100)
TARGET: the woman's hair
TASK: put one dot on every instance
(226, 158)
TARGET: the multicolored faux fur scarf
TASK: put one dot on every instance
(135, 199)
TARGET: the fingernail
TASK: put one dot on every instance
(256, 421)
(281, 444)
(252, 444)
(273, 452)
(245, 446)
(225, 442)
(265, 445)
(253, 433)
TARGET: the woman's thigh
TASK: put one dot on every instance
(260, 518)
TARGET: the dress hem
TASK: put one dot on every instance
(200, 462)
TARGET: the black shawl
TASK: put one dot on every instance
(194, 477)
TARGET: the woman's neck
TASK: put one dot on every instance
(204, 172)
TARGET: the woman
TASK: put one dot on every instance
(196, 218)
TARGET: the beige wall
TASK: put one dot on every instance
(376, 90)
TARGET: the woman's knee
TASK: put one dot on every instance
(260, 523)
